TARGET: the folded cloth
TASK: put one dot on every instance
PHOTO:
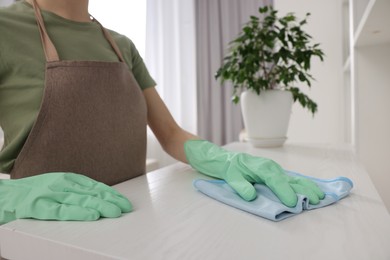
(267, 205)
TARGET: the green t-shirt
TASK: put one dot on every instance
(22, 66)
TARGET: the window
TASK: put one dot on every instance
(127, 17)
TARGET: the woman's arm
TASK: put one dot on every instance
(169, 134)
(239, 170)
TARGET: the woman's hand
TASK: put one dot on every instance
(241, 170)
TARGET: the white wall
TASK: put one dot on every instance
(373, 106)
(5, 2)
(324, 24)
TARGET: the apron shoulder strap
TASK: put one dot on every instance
(51, 53)
(109, 39)
(48, 46)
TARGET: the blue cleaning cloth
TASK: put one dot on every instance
(267, 205)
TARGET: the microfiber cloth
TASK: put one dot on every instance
(267, 205)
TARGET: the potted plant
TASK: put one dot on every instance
(264, 64)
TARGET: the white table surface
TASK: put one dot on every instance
(172, 220)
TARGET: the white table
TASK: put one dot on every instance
(172, 220)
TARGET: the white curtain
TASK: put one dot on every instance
(171, 59)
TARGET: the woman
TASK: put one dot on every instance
(75, 99)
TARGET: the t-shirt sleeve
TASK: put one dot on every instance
(140, 71)
(134, 61)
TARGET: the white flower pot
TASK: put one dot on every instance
(266, 116)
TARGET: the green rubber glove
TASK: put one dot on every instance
(240, 170)
(59, 196)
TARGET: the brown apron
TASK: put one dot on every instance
(92, 119)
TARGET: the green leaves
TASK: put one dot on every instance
(271, 53)
(263, 10)
(304, 100)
